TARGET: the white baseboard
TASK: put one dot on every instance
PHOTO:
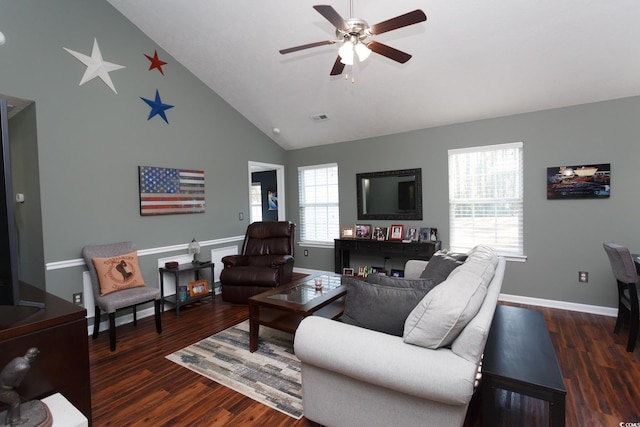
(539, 302)
(562, 305)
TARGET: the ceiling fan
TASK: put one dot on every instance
(353, 33)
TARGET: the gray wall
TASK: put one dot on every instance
(561, 237)
(91, 140)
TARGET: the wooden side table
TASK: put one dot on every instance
(177, 271)
(519, 357)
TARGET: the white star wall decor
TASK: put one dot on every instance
(96, 66)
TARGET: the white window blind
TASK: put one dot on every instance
(319, 209)
(486, 198)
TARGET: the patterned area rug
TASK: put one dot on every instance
(271, 375)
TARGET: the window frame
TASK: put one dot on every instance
(303, 205)
(495, 200)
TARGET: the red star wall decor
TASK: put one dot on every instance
(155, 62)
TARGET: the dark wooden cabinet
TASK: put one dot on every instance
(59, 331)
(396, 249)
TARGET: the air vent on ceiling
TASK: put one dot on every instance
(320, 118)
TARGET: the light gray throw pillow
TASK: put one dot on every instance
(440, 316)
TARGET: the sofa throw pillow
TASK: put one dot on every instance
(118, 272)
(401, 282)
(444, 312)
(441, 264)
(382, 307)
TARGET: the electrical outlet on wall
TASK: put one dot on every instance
(77, 298)
(583, 277)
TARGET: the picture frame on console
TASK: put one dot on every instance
(397, 232)
(348, 233)
(198, 287)
(363, 231)
(428, 234)
(411, 234)
(397, 273)
(380, 233)
(379, 270)
(347, 271)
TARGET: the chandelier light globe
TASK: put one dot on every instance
(363, 51)
(346, 53)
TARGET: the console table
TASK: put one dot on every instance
(414, 250)
(177, 271)
(59, 331)
(519, 357)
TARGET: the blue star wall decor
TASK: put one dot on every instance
(157, 107)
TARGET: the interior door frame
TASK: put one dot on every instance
(262, 167)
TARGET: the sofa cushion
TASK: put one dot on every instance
(441, 264)
(440, 316)
(118, 272)
(382, 306)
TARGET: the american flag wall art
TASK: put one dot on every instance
(167, 191)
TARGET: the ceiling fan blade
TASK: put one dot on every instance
(332, 16)
(306, 46)
(338, 67)
(389, 52)
(398, 22)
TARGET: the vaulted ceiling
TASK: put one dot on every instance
(471, 60)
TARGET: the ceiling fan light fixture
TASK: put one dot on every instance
(363, 51)
(346, 53)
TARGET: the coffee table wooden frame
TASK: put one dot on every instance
(285, 315)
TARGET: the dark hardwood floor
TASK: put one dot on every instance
(137, 386)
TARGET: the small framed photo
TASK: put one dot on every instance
(198, 287)
(425, 234)
(378, 270)
(397, 232)
(347, 271)
(411, 234)
(348, 233)
(363, 231)
(380, 233)
(397, 273)
(433, 234)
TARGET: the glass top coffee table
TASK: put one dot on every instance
(285, 306)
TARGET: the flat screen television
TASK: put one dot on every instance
(9, 284)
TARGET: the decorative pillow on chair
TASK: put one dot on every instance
(441, 264)
(383, 306)
(118, 272)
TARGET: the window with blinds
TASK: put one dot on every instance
(486, 198)
(256, 201)
(319, 208)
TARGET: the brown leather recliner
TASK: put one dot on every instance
(266, 261)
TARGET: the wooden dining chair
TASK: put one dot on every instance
(626, 275)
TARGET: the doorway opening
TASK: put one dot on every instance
(266, 192)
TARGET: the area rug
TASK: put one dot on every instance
(271, 375)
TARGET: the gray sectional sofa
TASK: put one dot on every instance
(355, 376)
